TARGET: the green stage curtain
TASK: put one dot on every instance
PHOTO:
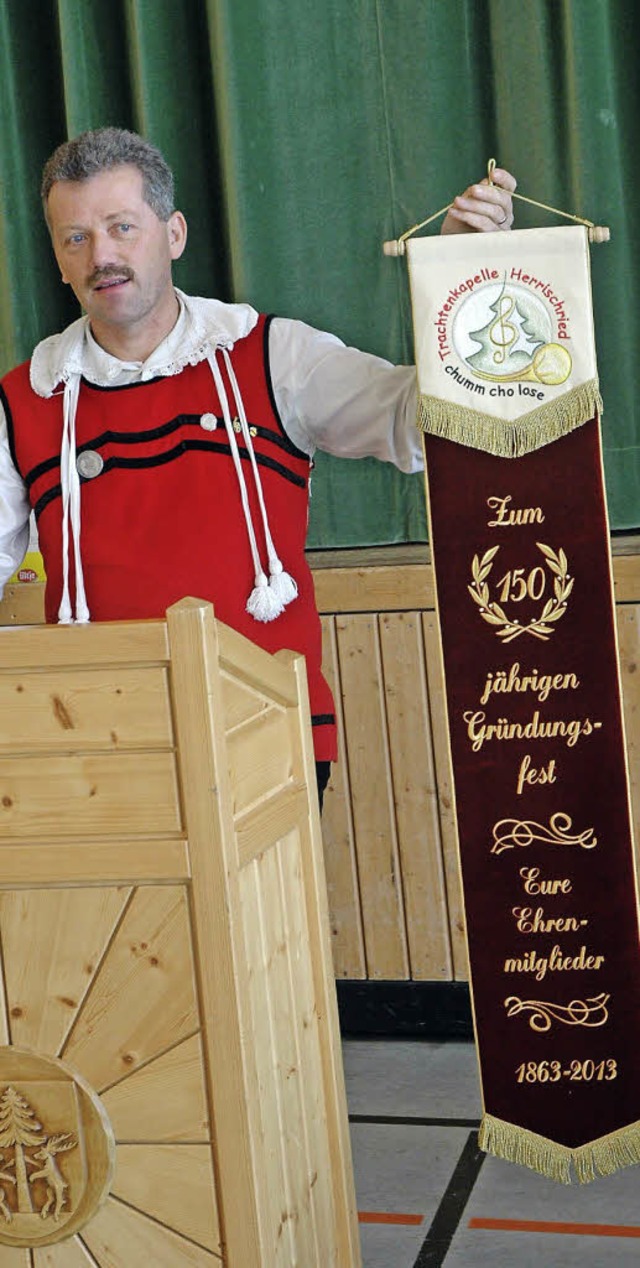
(302, 135)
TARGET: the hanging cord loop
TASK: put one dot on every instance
(596, 233)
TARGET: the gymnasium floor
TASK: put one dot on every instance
(427, 1196)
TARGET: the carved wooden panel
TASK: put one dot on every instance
(100, 981)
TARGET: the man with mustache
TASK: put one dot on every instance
(184, 428)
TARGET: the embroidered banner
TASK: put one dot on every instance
(504, 348)
(521, 554)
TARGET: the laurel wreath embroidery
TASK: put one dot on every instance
(540, 626)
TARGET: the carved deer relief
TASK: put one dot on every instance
(56, 1184)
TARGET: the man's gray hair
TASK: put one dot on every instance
(103, 148)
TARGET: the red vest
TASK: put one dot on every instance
(163, 518)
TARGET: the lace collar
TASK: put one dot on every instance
(203, 326)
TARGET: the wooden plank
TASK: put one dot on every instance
(269, 821)
(301, 1138)
(240, 703)
(84, 709)
(626, 577)
(372, 801)
(117, 793)
(306, 1041)
(164, 1100)
(341, 864)
(259, 758)
(142, 999)
(83, 861)
(253, 667)
(67, 1254)
(67, 646)
(415, 795)
(66, 932)
(13, 1257)
(223, 995)
(4, 1011)
(23, 604)
(446, 804)
(388, 588)
(173, 1184)
(325, 1007)
(628, 628)
(119, 1237)
(266, 1118)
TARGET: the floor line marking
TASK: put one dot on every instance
(435, 1247)
(412, 1121)
(388, 1217)
(548, 1226)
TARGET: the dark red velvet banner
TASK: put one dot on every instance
(521, 554)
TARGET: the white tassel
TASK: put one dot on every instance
(64, 612)
(282, 583)
(263, 604)
(70, 488)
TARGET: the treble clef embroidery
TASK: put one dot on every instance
(502, 332)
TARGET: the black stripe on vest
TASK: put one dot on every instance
(156, 433)
(159, 460)
(10, 435)
(266, 356)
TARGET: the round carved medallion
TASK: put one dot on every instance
(57, 1149)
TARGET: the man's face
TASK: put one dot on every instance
(113, 250)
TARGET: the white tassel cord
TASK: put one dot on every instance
(280, 582)
(70, 485)
(263, 604)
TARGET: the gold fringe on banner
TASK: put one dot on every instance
(510, 439)
(609, 1154)
(599, 1157)
(516, 1144)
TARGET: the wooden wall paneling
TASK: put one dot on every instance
(626, 574)
(415, 795)
(22, 604)
(628, 622)
(341, 864)
(385, 588)
(444, 775)
(371, 797)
